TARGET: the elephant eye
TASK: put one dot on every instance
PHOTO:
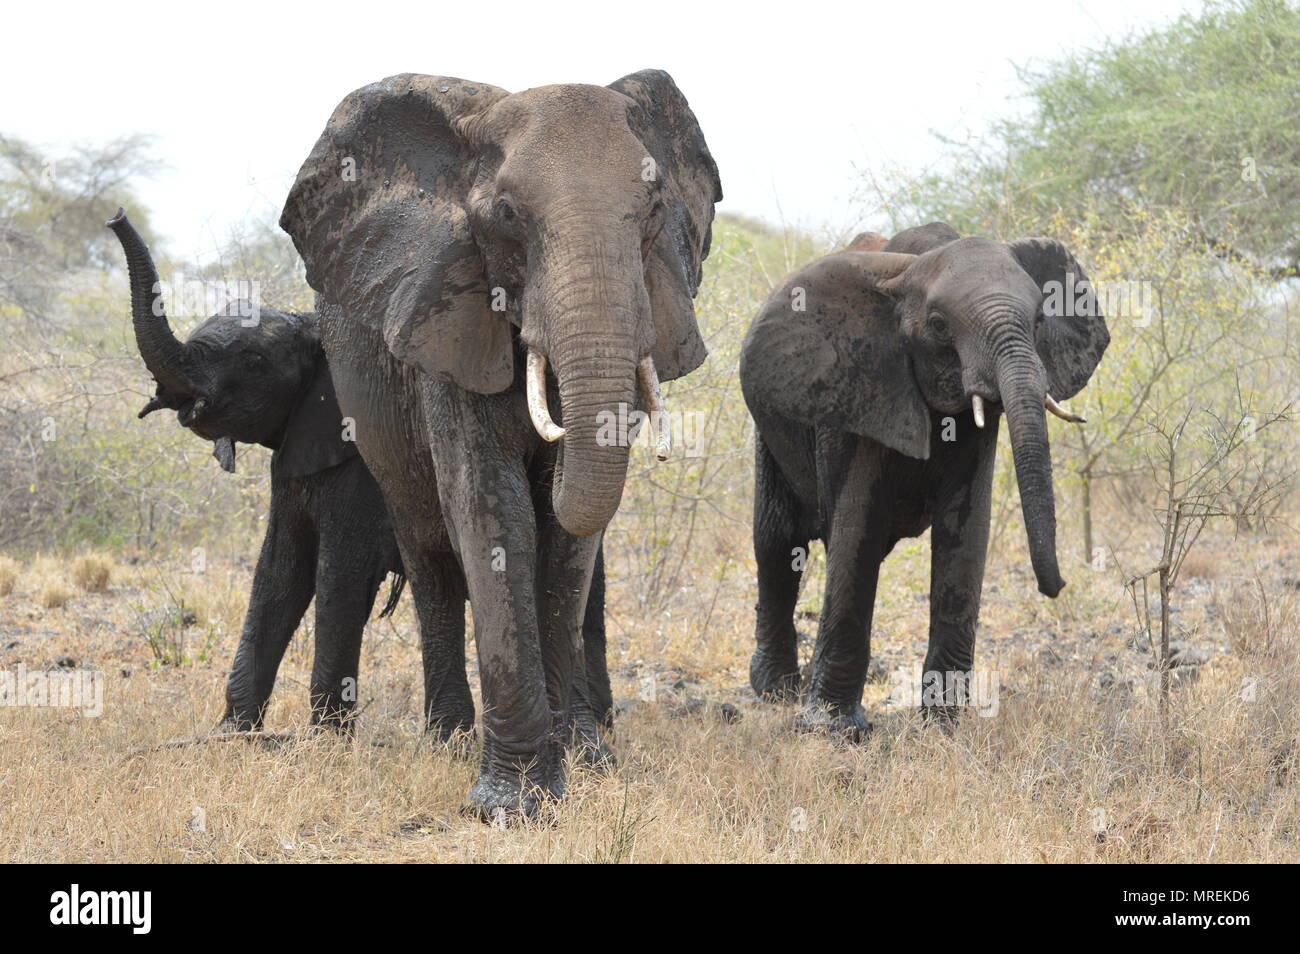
(252, 360)
(938, 323)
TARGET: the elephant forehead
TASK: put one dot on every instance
(244, 324)
(563, 105)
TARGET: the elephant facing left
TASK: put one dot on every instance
(264, 380)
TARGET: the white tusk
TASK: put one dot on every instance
(1061, 412)
(654, 405)
(977, 405)
(537, 409)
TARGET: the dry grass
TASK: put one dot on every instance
(92, 573)
(54, 594)
(1066, 771)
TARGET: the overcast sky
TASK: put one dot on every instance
(793, 97)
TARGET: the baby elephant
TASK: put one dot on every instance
(877, 378)
(261, 378)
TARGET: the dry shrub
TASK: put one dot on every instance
(92, 573)
(54, 594)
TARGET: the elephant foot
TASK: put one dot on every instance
(240, 721)
(454, 730)
(588, 744)
(504, 792)
(839, 723)
(503, 798)
(942, 717)
(336, 717)
(772, 679)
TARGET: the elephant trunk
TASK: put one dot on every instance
(164, 355)
(588, 331)
(597, 392)
(1023, 387)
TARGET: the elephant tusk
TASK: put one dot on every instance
(654, 406)
(1061, 412)
(537, 409)
(977, 405)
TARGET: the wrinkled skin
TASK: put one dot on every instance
(451, 228)
(866, 434)
(328, 533)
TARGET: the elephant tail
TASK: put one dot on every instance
(394, 593)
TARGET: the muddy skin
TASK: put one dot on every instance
(863, 405)
(477, 233)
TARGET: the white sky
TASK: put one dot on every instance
(792, 97)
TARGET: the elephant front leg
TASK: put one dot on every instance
(283, 584)
(485, 497)
(959, 539)
(565, 567)
(862, 497)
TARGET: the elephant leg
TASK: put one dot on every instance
(565, 568)
(440, 605)
(349, 571)
(437, 588)
(959, 537)
(283, 584)
(861, 497)
(486, 499)
(594, 691)
(780, 550)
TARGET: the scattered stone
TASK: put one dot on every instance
(66, 662)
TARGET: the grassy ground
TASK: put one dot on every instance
(1077, 765)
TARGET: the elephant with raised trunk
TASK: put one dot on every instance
(877, 378)
(259, 376)
(498, 275)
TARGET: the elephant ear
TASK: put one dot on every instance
(314, 437)
(688, 177)
(1072, 335)
(378, 213)
(840, 361)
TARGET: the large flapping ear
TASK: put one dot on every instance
(378, 213)
(1072, 336)
(663, 121)
(315, 437)
(826, 351)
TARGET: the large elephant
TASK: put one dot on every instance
(483, 259)
(877, 377)
(260, 377)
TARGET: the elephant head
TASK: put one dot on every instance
(257, 376)
(932, 322)
(564, 225)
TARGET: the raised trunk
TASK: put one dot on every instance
(163, 354)
(1022, 384)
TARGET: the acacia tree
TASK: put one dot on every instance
(1198, 116)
